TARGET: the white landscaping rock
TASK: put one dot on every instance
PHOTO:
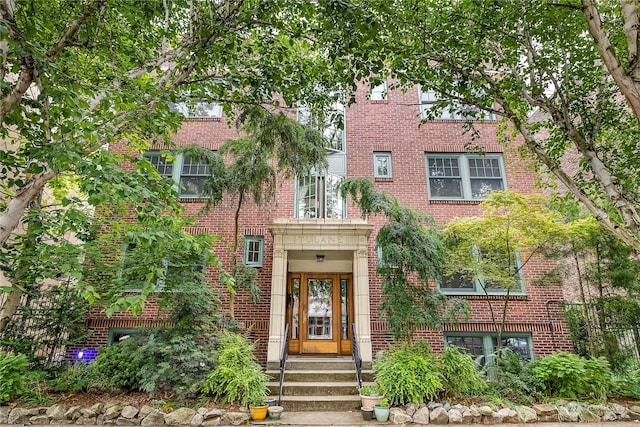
(399, 417)
(439, 416)
(421, 416)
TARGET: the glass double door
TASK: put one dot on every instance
(319, 313)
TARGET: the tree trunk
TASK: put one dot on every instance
(10, 218)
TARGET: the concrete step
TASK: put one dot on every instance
(320, 403)
(315, 388)
(320, 363)
(316, 375)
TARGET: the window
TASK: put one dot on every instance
(189, 174)
(379, 92)
(198, 110)
(453, 111)
(119, 334)
(462, 283)
(317, 196)
(382, 165)
(482, 346)
(464, 176)
(137, 267)
(253, 248)
(330, 124)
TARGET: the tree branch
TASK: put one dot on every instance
(608, 55)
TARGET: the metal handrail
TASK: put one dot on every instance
(355, 353)
(284, 354)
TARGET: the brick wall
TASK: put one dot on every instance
(392, 125)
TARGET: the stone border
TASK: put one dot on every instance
(433, 413)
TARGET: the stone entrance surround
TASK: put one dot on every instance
(295, 245)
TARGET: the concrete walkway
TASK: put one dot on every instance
(355, 419)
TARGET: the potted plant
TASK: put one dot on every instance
(367, 413)
(275, 412)
(382, 410)
(370, 395)
(258, 410)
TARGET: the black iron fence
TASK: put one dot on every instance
(46, 322)
(608, 327)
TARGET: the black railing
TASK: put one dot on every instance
(355, 353)
(284, 353)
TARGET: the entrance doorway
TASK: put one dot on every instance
(320, 313)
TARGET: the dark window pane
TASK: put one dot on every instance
(456, 281)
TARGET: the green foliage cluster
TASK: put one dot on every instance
(412, 248)
(12, 371)
(370, 390)
(460, 373)
(408, 373)
(509, 379)
(564, 374)
(237, 377)
(627, 383)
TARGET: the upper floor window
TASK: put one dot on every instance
(198, 110)
(379, 92)
(464, 176)
(382, 164)
(253, 249)
(317, 196)
(453, 111)
(189, 174)
(329, 123)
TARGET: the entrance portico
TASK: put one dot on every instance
(320, 248)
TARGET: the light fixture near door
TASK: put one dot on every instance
(320, 258)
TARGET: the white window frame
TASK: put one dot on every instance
(427, 98)
(247, 243)
(487, 342)
(379, 92)
(382, 155)
(201, 109)
(330, 130)
(177, 175)
(320, 184)
(464, 173)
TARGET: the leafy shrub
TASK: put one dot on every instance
(12, 371)
(459, 373)
(237, 377)
(627, 383)
(173, 360)
(563, 374)
(118, 367)
(508, 378)
(408, 373)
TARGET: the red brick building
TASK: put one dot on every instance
(316, 257)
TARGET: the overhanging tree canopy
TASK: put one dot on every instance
(574, 63)
(80, 75)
